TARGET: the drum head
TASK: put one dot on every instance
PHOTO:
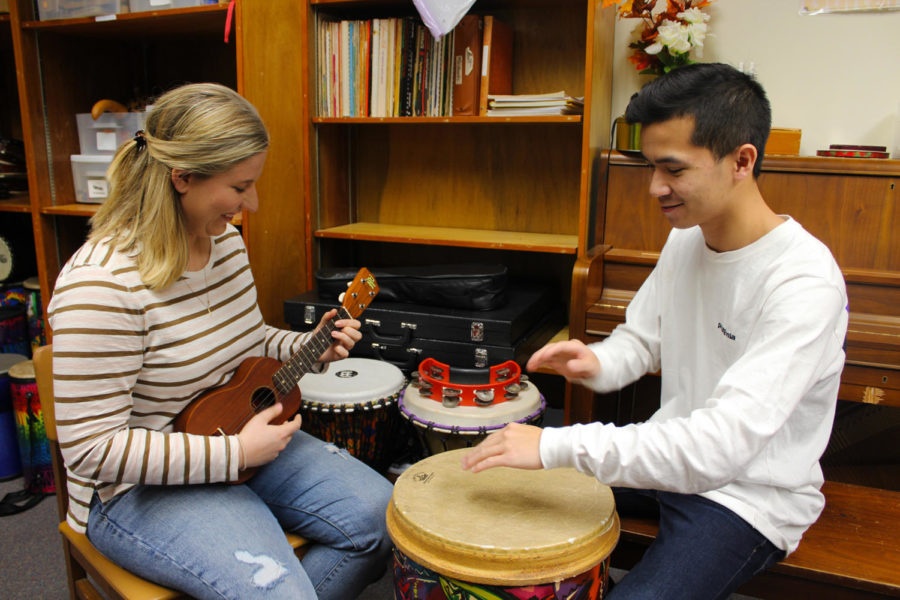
(22, 370)
(469, 420)
(501, 526)
(351, 381)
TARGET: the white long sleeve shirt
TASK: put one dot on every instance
(750, 346)
(127, 360)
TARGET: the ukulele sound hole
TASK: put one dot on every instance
(262, 398)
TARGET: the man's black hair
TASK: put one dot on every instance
(729, 108)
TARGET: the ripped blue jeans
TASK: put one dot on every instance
(226, 541)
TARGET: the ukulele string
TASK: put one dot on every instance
(270, 397)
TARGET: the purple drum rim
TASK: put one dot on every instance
(460, 430)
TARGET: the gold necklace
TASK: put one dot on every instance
(206, 288)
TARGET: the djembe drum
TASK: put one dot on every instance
(10, 463)
(353, 406)
(34, 447)
(502, 533)
(456, 408)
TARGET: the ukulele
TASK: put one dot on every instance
(261, 382)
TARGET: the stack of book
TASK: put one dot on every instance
(554, 103)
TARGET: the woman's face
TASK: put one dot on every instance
(209, 203)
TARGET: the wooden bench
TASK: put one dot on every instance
(853, 550)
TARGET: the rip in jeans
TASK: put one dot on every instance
(269, 571)
(335, 450)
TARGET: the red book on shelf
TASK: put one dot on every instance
(467, 65)
(496, 61)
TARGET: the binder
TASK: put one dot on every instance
(467, 65)
(496, 61)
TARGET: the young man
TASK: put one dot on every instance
(745, 315)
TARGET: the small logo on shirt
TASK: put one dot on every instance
(725, 332)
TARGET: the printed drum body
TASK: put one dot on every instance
(34, 447)
(500, 534)
(10, 462)
(443, 428)
(353, 406)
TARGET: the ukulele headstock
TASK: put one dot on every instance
(361, 291)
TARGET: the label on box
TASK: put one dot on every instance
(160, 2)
(106, 141)
(97, 188)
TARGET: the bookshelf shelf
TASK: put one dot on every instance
(19, 204)
(449, 120)
(200, 19)
(454, 237)
(71, 210)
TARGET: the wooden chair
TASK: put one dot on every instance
(87, 570)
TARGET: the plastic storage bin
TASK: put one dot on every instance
(106, 134)
(89, 175)
(71, 9)
(144, 5)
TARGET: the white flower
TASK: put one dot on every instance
(697, 33)
(654, 48)
(693, 15)
(675, 36)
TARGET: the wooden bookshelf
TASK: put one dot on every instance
(511, 189)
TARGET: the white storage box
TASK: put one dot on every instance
(89, 175)
(106, 134)
(72, 9)
(144, 5)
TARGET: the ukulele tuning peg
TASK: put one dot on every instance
(341, 297)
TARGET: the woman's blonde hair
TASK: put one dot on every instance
(203, 129)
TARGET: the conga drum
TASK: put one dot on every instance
(14, 330)
(354, 406)
(10, 462)
(34, 447)
(34, 312)
(501, 533)
(457, 408)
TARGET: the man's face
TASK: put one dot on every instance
(692, 187)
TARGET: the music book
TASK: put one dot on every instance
(467, 65)
(554, 103)
(496, 60)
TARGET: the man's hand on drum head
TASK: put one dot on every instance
(345, 336)
(516, 445)
(572, 359)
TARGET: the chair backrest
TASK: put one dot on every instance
(42, 358)
(43, 375)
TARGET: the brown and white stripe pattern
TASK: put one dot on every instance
(127, 360)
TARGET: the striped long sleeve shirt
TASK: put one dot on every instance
(127, 360)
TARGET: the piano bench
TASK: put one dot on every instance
(851, 552)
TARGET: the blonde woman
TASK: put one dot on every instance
(159, 306)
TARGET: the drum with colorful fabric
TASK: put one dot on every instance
(10, 462)
(34, 312)
(34, 447)
(353, 406)
(456, 408)
(14, 329)
(499, 534)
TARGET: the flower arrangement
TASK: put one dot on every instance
(668, 36)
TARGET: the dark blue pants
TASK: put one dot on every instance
(703, 551)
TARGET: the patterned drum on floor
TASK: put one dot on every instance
(502, 533)
(10, 462)
(486, 401)
(353, 405)
(34, 447)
